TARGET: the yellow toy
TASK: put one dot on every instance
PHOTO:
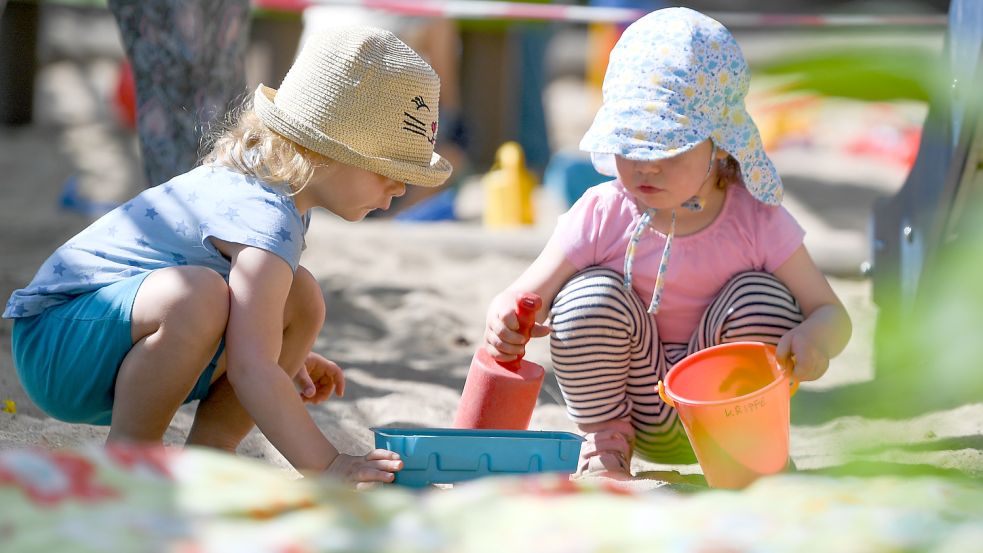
(508, 189)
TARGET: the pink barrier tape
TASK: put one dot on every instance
(490, 10)
(478, 10)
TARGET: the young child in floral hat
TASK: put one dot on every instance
(687, 247)
(193, 289)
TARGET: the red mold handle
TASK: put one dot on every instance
(527, 305)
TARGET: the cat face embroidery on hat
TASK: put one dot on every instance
(676, 78)
(416, 118)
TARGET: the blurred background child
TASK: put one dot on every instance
(187, 60)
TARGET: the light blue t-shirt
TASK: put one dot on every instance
(166, 226)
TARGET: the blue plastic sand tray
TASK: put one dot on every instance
(447, 455)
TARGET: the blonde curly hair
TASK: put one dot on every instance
(243, 143)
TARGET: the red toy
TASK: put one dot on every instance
(125, 97)
(502, 395)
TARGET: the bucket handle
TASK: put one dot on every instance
(665, 397)
(787, 366)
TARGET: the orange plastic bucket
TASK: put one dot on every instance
(733, 401)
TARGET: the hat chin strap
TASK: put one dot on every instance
(636, 236)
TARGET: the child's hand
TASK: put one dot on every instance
(810, 362)
(502, 339)
(318, 378)
(378, 466)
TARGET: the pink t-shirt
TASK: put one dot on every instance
(747, 235)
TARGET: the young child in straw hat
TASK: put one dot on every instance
(193, 289)
(687, 247)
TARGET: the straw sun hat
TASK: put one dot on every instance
(361, 96)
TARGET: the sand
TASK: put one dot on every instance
(406, 302)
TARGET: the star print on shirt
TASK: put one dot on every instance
(284, 235)
(192, 197)
(231, 213)
(151, 213)
(59, 269)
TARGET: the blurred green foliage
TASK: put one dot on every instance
(931, 357)
(934, 349)
(875, 74)
(938, 348)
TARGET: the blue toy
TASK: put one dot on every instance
(448, 455)
(569, 175)
(439, 207)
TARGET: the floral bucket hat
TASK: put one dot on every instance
(675, 78)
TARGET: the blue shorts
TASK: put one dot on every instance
(68, 357)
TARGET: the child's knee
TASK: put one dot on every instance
(597, 294)
(305, 302)
(758, 288)
(595, 277)
(205, 298)
(197, 297)
(756, 280)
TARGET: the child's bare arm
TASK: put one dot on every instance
(826, 328)
(545, 276)
(259, 284)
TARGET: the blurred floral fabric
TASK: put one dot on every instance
(152, 499)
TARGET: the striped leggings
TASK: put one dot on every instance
(608, 358)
